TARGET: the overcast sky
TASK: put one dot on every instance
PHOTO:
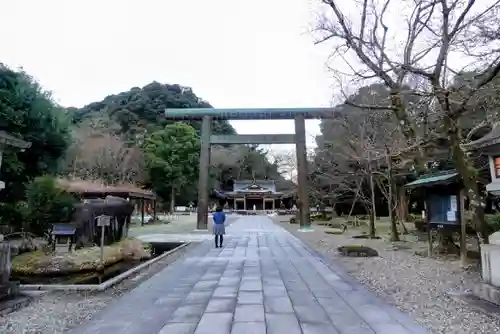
(233, 53)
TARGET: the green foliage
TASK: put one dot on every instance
(142, 110)
(137, 113)
(172, 156)
(493, 222)
(320, 217)
(47, 204)
(28, 112)
(357, 251)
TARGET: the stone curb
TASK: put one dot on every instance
(98, 287)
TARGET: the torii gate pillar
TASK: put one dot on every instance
(202, 213)
(302, 172)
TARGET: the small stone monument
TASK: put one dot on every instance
(63, 237)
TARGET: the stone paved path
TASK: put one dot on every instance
(264, 280)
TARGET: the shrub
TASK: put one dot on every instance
(47, 204)
(334, 231)
(493, 223)
(357, 251)
(320, 217)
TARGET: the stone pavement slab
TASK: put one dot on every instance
(264, 280)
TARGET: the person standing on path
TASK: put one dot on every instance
(219, 229)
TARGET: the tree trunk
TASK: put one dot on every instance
(172, 200)
(355, 200)
(402, 207)
(468, 175)
(390, 201)
(373, 216)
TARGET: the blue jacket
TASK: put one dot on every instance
(219, 217)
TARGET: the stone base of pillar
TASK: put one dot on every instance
(306, 229)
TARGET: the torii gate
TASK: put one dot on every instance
(207, 115)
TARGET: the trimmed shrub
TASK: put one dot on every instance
(334, 231)
(47, 204)
(357, 251)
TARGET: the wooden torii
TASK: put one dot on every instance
(207, 115)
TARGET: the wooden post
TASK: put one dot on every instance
(301, 151)
(202, 213)
(103, 221)
(102, 245)
(5, 264)
(142, 211)
(429, 232)
(463, 228)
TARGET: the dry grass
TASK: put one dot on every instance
(85, 259)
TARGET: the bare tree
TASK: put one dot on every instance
(99, 155)
(429, 42)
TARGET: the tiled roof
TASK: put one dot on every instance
(433, 180)
(492, 138)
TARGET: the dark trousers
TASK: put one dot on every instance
(218, 240)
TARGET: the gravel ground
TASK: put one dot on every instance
(58, 312)
(415, 284)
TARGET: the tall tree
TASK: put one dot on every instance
(97, 153)
(417, 60)
(172, 156)
(140, 111)
(28, 112)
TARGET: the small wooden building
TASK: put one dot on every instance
(247, 194)
(86, 190)
(442, 193)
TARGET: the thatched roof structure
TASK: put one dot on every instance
(88, 189)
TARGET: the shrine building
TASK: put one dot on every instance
(250, 194)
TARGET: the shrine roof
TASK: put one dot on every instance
(490, 139)
(434, 179)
